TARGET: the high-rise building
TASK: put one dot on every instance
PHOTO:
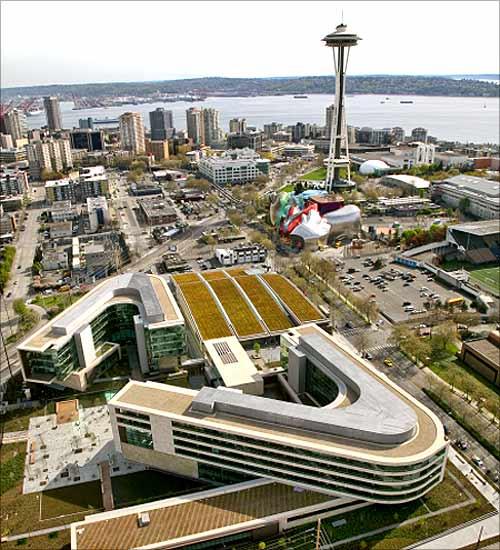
(211, 126)
(53, 155)
(195, 125)
(15, 124)
(419, 134)
(91, 140)
(162, 124)
(397, 134)
(341, 42)
(158, 148)
(6, 141)
(300, 131)
(271, 129)
(330, 110)
(132, 133)
(237, 125)
(52, 112)
(86, 123)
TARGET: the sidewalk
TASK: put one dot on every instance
(469, 534)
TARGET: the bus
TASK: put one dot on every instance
(458, 301)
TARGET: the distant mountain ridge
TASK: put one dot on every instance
(221, 86)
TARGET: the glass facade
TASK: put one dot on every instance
(135, 437)
(164, 342)
(60, 363)
(320, 386)
(115, 324)
(260, 458)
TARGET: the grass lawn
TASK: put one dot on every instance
(292, 298)
(59, 540)
(377, 516)
(14, 421)
(70, 500)
(489, 277)
(465, 379)
(151, 485)
(316, 175)
(12, 458)
(61, 300)
(287, 188)
(20, 513)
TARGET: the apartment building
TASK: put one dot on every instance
(132, 133)
(195, 125)
(158, 148)
(237, 125)
(13, 182)
(53, 113)
(88, 139)
(51, 155)
(15, 124)
(98, 212)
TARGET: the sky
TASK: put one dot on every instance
(74, 42)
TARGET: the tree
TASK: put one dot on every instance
(256, 349)
(250, 213)
(20, 307)
(235, 218)
(201, 185)
(443, 336)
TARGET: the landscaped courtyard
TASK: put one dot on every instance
(316, 175)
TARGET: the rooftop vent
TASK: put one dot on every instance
(143, 519)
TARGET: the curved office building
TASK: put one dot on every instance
(136, 311)
(365, 439)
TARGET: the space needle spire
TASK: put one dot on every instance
(340, 41)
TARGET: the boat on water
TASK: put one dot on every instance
(406, 101)
(300, 96)
(34, 112)
(382, 102)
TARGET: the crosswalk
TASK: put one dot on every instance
(351, 331)
(379, 350)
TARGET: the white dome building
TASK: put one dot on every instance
(371, 167)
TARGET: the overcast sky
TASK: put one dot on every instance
(68, 42)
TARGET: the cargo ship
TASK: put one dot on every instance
(300, 96)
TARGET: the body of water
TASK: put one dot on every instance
(464, 119)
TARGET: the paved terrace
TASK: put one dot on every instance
(176, 519)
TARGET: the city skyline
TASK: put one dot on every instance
(30, 62)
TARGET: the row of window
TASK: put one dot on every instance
(308, 476)
(307, 462)
(298, 451)
(264, 471)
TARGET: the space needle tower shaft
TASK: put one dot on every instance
(340, 41)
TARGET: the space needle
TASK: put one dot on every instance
(340, 41)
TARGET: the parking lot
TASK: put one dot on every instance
(399, 291)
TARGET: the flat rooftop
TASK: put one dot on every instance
(486, 227)
(177, 402)
(487, 349)
(231, 361)
(179, 520)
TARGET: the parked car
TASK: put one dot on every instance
(389, 362)
(477, 461)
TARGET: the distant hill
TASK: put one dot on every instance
(218, 86)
